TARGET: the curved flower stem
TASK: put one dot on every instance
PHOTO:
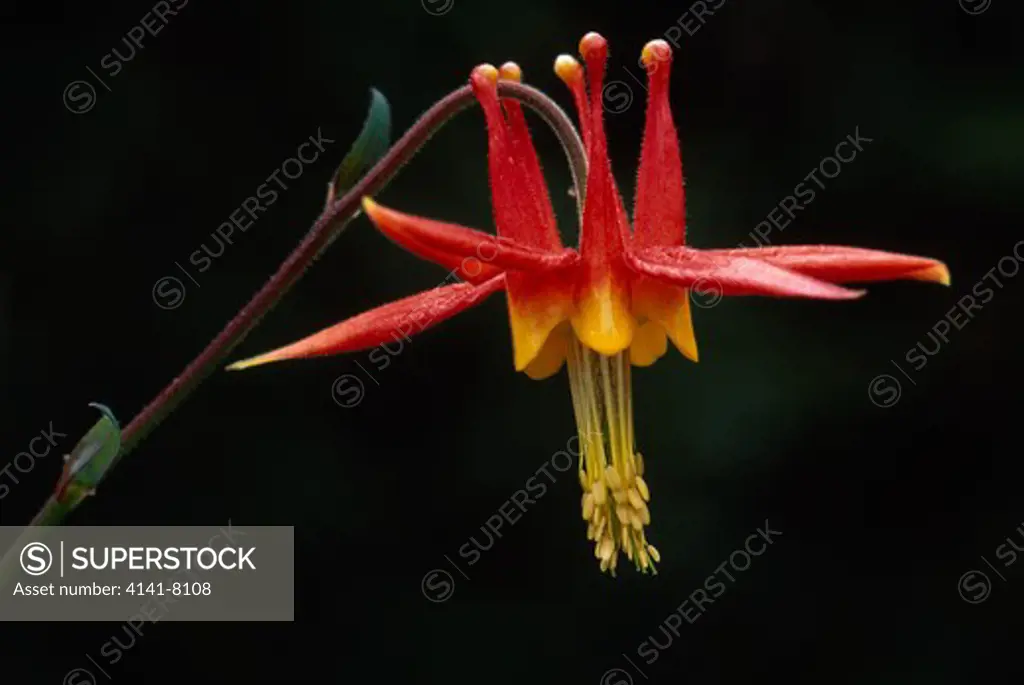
(327, 227)
(330, 224)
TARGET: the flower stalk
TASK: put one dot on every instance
(613, 302)
(343, 205)
(329, 225)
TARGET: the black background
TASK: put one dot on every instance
(882, 508)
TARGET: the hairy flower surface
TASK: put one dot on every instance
(611, 304)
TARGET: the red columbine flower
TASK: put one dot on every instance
(611, 304)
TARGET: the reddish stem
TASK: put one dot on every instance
(327, 227)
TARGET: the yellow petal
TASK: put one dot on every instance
(551, 356)
(603, 320)
(649, 344)
(668, 306)
(536, 306)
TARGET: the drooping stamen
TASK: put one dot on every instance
(658, 218)
(615, 494)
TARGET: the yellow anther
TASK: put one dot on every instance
(641, 487)
(612, 476)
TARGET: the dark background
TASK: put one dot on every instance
(882, 508)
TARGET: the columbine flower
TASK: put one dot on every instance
(613, 303)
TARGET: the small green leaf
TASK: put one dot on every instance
(90, 459)
(370, 146)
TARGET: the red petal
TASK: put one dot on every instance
(522, 208)
(730, 275)
(388, 323)
(605, 226)
(658, 217)
(571, 73)
(462, 242)
(838, 264)
(545, 233)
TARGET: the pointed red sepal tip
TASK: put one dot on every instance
(936, 274)
(510, 71)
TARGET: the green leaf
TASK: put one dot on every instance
(90, 459)
(84, 468)
(370, 146)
